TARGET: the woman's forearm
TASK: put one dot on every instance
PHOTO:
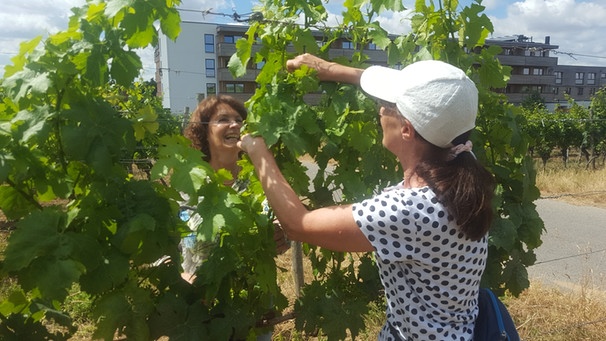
(282, 198)
(330, 227)
(326, 71)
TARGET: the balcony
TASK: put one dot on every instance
(223, 74)
(227, 49)
(527, 60)
(532, 80)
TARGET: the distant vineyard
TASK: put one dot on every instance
(559, 133)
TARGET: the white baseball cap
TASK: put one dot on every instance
(438, 99)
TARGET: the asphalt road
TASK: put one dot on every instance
(573, 253)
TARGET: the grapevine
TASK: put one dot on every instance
(340, 134)
(85, 222)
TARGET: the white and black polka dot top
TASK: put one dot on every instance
(431, 272)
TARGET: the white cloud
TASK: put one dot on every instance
(575, 26)
(396, 23)
(24, 20)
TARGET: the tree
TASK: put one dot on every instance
(69, 118)
(542, 126)
(597, 125)
(533, 100)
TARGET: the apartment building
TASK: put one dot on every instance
(536, 69)
(195, 66)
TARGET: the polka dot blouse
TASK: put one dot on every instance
(431, 272)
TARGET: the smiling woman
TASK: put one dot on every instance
(214, 129)
(213, 117)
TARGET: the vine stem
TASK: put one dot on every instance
(24, 194)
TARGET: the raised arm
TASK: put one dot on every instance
(327, 71)
(333, 228)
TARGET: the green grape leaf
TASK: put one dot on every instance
(145, 122)
(96, 69)
(113, 7)
(237, 63)
(130, 235)
(26, 82)
(37, 236)
(13, 203)
(33, 123)
(110, 273)
(304, 41)
(20, 59)
(183, 164)
(476, 27)
(112, 310)
(503, 234)
(379, 36)
(517, 275)
(170, 23)
(15, 302)
(52, 276)
(125, 67)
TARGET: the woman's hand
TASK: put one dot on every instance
(326, 71)
(250, 144)
(320, 65)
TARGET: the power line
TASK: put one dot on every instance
(246, 17)
(572, 54)
(568, 257)
(180, 71)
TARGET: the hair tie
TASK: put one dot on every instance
(460, 148)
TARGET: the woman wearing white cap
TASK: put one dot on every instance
(429, 231)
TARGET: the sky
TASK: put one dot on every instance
(576, 26)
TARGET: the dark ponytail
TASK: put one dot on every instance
(463, 185)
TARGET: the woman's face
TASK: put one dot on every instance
(224, 130)
(391, 124)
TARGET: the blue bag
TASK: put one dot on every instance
(494, 322)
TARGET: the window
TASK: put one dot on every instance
(210, 68)
(532, 88)
(211, 89)
(348, 45)
(580, 91)
(526, 71)
(591, 78)
(558, 77)
(372, 46)
(231, 39)
(234, 87)
(260, 65)
(567, 91)
(537, 72)
(209, 43)
(578, 77)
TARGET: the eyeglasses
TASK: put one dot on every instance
(223, 121)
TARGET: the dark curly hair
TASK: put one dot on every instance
(197, 128)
